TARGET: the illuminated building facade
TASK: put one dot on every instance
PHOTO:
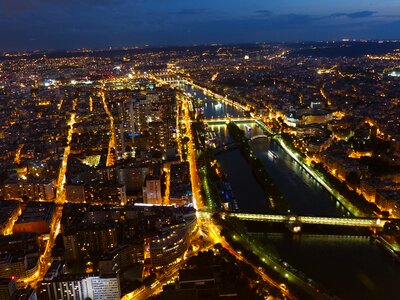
(152, 190)
(90, 240)
(81, 287)
(31, 189)
(36, 217)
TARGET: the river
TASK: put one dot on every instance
(350, 267)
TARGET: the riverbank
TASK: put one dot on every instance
(329, 259)
(355, 204)
(321, 176)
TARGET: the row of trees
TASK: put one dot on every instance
(278, 203)
(368, 208)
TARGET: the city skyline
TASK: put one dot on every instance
(172, 149)
(41, 24)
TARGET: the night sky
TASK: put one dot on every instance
(67, 24)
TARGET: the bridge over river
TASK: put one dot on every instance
(333, 221)
(227, 120)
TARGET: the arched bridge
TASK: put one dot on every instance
(259, 137)
(333, 221)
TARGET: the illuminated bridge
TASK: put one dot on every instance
(333, 221)
(260, 136)
(227, 120)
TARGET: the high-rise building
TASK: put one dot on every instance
(18, 266)
(72, 286)
(89, 240)
(180, 185)
(166, 248)
(133, 177)
(152, 190)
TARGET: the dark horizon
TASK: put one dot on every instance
(173, 46)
